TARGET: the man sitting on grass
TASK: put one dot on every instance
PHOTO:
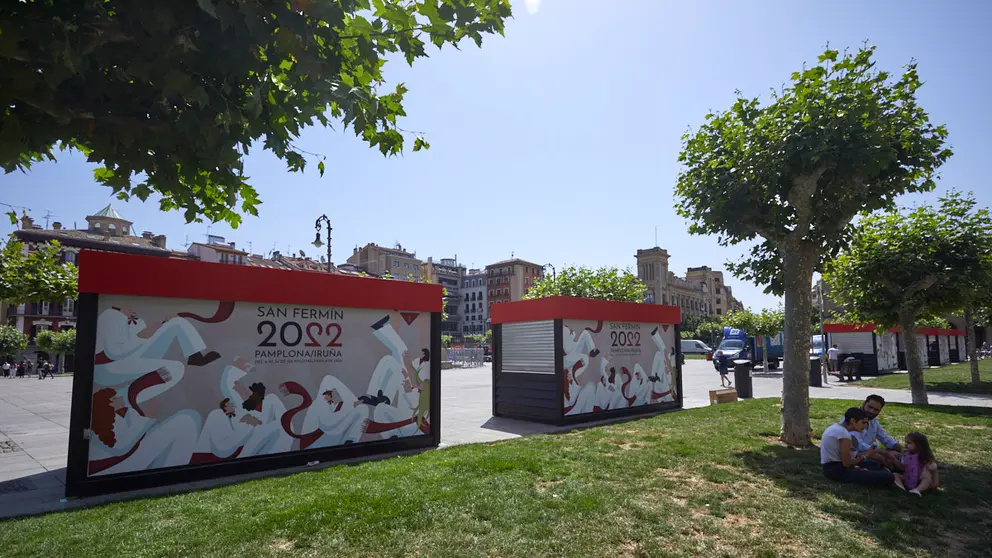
(889, 454)
(838, 454)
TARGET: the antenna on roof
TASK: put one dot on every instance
(656, 235)
(186, 245)
(249, 247)
(48, 215)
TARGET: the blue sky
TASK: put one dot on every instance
(558, 143)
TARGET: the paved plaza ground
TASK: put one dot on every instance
(34, 425)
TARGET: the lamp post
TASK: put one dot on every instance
(553, 278)
(316, 238)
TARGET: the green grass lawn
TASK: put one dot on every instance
(703, 482)
(695, 357)
(955, 378)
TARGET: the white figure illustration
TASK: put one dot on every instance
(127, 349)
(661, 370)
(619, 398)
(267, 436)
(640, 386)
(579, 349)
(607, 386)
(225, 431)
(390, 392)
(338, 414)
(122, 439)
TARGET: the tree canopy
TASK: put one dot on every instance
(37, 276)
(169, 97)
(788, 177)
(606, 283)
(902, 267)
(12, 341)
(840, 139)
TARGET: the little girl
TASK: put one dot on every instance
(919, 464)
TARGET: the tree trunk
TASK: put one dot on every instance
(913, 363)
(969, 326)
(798, 272)
(764, 353)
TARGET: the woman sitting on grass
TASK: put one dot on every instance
(921, 468)
(838, 454)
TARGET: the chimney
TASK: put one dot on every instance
(231, 244)
(276, 255)
(57, 226)
(159, 241)
(26, 222)
(148, 235)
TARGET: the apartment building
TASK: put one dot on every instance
(476, 311)
(509, 280)
(448, 273)
(378, 261)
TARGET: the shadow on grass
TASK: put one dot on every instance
(948, 523)
(962, 388)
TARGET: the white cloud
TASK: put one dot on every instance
(532, 6)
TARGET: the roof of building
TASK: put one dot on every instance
(513, 261)
(85, 239)
(221, 248)
(108, 212)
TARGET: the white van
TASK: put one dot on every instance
(695, 347)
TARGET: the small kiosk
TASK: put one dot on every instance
(187, 370)
(565, 360)
(878, 353)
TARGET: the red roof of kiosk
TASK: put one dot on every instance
(125, 274)
(867, 328)
(572, 308)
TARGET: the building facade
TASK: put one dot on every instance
(447, 273)
(702, 292)
(378, 261)
(106, 231)
(476, 312)
(509, 280)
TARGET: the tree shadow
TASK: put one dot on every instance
(948, 523)
(961, 388)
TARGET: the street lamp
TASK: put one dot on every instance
(553, 278)
(316, 238)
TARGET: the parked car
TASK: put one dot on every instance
(694, 347)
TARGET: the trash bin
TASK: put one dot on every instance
(815, 373)
(742, 378)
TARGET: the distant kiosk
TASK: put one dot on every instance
(567, 360)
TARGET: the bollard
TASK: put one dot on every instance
(742, 378)
(815, 377)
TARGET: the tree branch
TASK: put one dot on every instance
(801, 199)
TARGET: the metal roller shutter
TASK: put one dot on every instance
(529, 347)
(860, 342)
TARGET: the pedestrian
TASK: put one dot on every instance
(833, 354)
(21, 369)
(724, 371)
(6, 369)
(54, 369)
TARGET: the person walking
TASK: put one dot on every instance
(6, 369)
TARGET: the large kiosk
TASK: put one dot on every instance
(187, 370)
(566, 360)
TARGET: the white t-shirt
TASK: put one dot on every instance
(833, 353)
(830, 443)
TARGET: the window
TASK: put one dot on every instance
(719, 301)
(718, 289)
(68, 306)
(396, 264)
(70, 257)
(45, 307)
(466, 307)
(406, 265)
(490, 292)
(719, 312)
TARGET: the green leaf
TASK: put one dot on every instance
(320, 168)
(207, 6)
(420, 143)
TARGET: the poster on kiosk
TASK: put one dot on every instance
(191, 369)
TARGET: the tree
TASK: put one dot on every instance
(12, 341)
(767, 323)
(170, 97)
(477, 339)
(688, 334)
(446, 341)
(840, 139)
(931, 322)
(605, 283)
(710, 331)
(978, 310)
(904, 267)
(64, 343)
(489, 337)
(38, 276)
